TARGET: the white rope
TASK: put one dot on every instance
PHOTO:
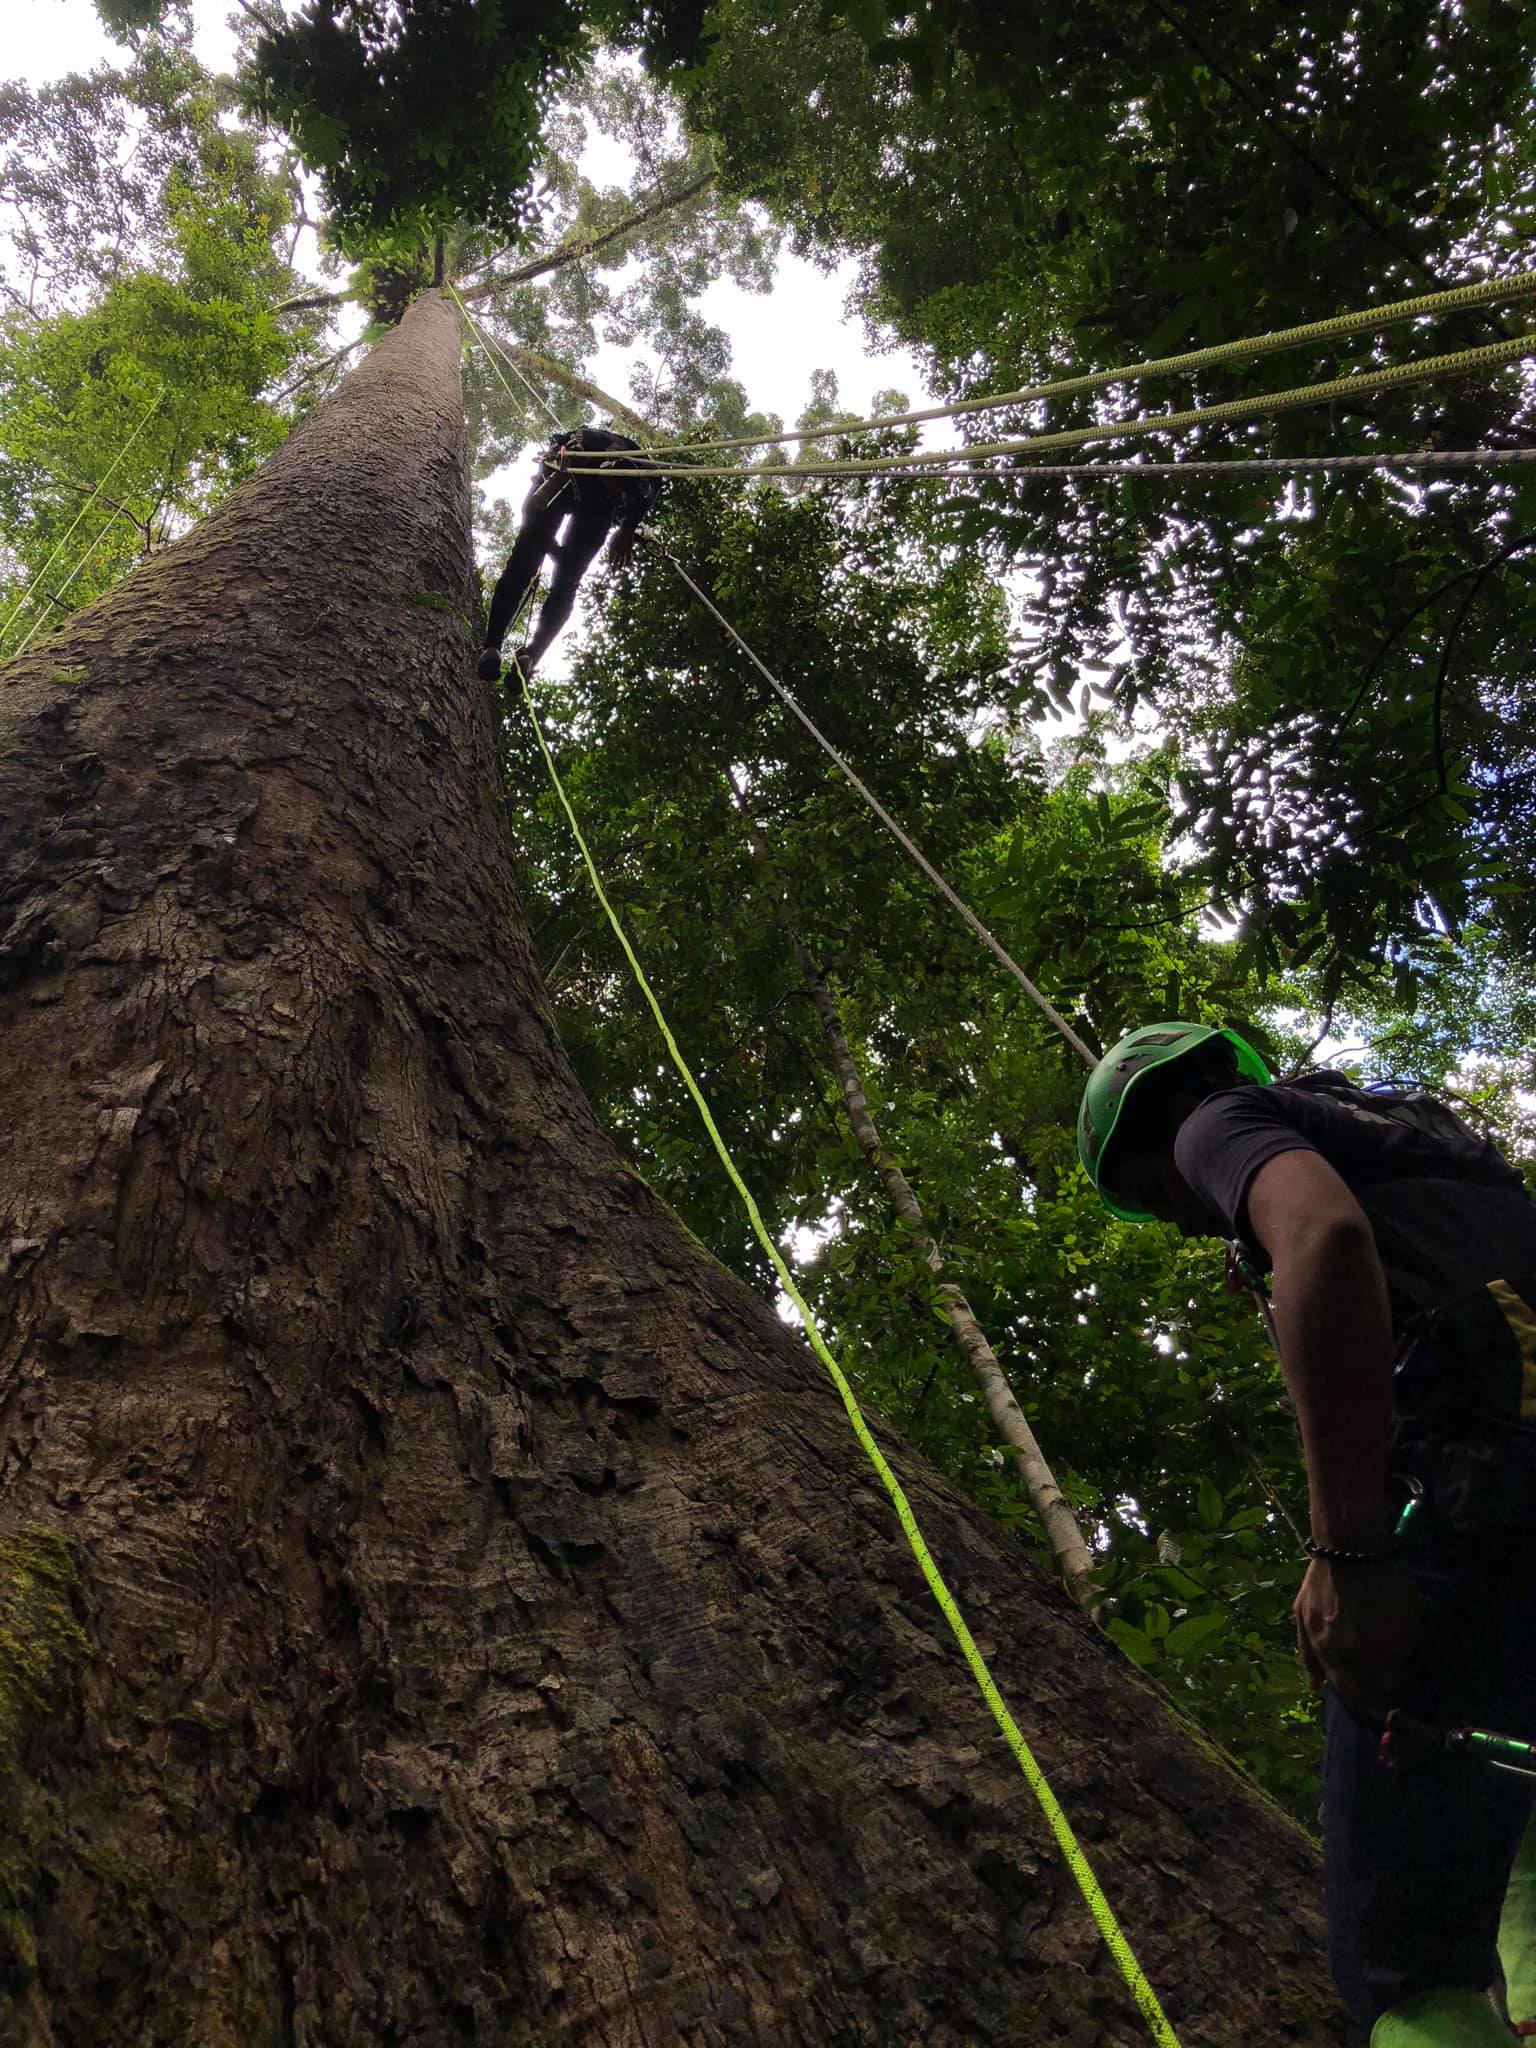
(1391, 377)
(485, 339)
(1257, 465)
(1035, 995)
(1504, 290)
(36, 626)
(59, 546)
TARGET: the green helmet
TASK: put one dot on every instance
(1122, 1067)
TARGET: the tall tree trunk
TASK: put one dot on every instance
(437, 1602)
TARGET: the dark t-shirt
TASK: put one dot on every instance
(1443, 1224)
(638, 494)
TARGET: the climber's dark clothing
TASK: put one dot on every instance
(1415, 1864)
(590, 504)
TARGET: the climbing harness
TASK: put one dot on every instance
(58, 548)
(1061, 1828)
(1369, 321)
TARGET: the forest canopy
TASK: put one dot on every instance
(1247, 748)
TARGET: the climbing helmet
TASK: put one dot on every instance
(1122, 1068)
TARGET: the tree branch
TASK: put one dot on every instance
(112, 504)
(263, 21)
(571, 250)
(317, 370)
(1045, 1495)
(313, 302)
(574, 247)
(1050, 1504)
(1301, 1064)
(538, 365)
(1397, 632)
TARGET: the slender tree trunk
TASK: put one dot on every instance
(546, 369)
(438, 1604)
(1050, 1504)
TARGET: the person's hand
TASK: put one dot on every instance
(1237, 1280)
(1357, 1626)
(620, 549)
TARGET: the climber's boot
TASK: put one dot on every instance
(1441, 2019)
(1517, 1938)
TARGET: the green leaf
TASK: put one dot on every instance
(1138, 1646)
(1208, 1504)
(1187, 1638)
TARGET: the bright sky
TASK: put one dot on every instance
(45, 38)
(776, 341)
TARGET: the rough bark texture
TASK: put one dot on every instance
(437, 1603)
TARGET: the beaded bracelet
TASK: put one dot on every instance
(1330, 1553)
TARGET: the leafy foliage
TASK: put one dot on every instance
(137, 366)
(1142, 1394)
(1029, 192)
(1304, 703)
(418, 115)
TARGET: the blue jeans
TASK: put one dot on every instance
(1415, 1862)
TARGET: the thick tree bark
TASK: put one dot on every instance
(438, 1603)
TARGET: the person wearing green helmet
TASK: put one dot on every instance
(1401, 1248)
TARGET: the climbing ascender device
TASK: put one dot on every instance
(1406, 1740)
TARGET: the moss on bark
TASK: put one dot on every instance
(41, 1642)
(42, 1646)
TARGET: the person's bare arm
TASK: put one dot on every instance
(1335, 1330)
(1356, 1624)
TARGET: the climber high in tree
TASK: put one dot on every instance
(590, 505)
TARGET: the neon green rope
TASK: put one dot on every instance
(60, 546)
(37, 624)
(1114, 1939)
